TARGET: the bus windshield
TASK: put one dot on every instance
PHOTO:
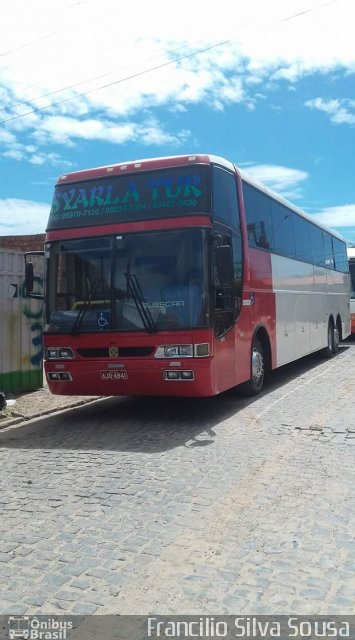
(133, 282)
(352, 278)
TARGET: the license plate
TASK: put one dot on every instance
(114, 375)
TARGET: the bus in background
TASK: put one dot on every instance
(181, 276)
(351, 258)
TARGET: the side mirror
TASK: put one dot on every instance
(29, 277)
(34, 273)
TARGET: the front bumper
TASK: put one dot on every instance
(136, 377)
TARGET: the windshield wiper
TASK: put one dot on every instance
(134, 288)
(86, 305)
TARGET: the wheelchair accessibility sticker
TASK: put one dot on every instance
(103, 319)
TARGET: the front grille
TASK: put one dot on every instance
(123, 352)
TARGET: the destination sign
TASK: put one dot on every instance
(141, 196)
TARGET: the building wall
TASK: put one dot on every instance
(23, 243)
(21, 322)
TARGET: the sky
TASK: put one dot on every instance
(266, 84)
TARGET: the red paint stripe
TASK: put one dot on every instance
(129, 227)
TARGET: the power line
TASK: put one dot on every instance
(303, 13)
(28, 44)
(140, 73)
(110, 84)
(78, 84)
(43, 37)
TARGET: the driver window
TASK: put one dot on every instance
(223, 280)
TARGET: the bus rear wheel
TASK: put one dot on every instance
(257, 369)
(332, 341)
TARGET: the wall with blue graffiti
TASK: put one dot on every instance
(21, 324)
(36, 319)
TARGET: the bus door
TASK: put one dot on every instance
(224, 302)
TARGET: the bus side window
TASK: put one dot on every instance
(340, 256)
(317, 246)
(225, 199)
(252, 239)
(237, 271)
(302, 232)
(283, 241)
(258, 216)
(328, 251)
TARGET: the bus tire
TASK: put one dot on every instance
(257, 368)
(333, 340)
(337, 335)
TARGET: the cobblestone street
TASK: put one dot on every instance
(212, 506)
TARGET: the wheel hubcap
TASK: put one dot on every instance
(257, 365)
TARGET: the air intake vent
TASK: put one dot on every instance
(123, 352)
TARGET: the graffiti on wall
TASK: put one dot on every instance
(36, 318)
(21, 351)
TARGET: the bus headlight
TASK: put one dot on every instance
(60, 353)
(174, 351)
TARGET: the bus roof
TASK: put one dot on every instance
(135, 166)
(149, 164)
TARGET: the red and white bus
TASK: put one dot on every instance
(351, 258)
(181, 276)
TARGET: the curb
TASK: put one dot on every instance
(17, 420)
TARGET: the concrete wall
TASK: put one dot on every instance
(21, 321)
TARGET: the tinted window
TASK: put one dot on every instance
(98, 286)
(301, 229)
(224, 283)
(283, 239)
(135, 196)
(317, 246)
(257, 207)
(328, 251)
(272, 225)
(352, 276)
(169, 271)
(340, 255)
(225, 202)
(237, 268)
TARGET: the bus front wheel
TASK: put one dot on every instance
(257, 369)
